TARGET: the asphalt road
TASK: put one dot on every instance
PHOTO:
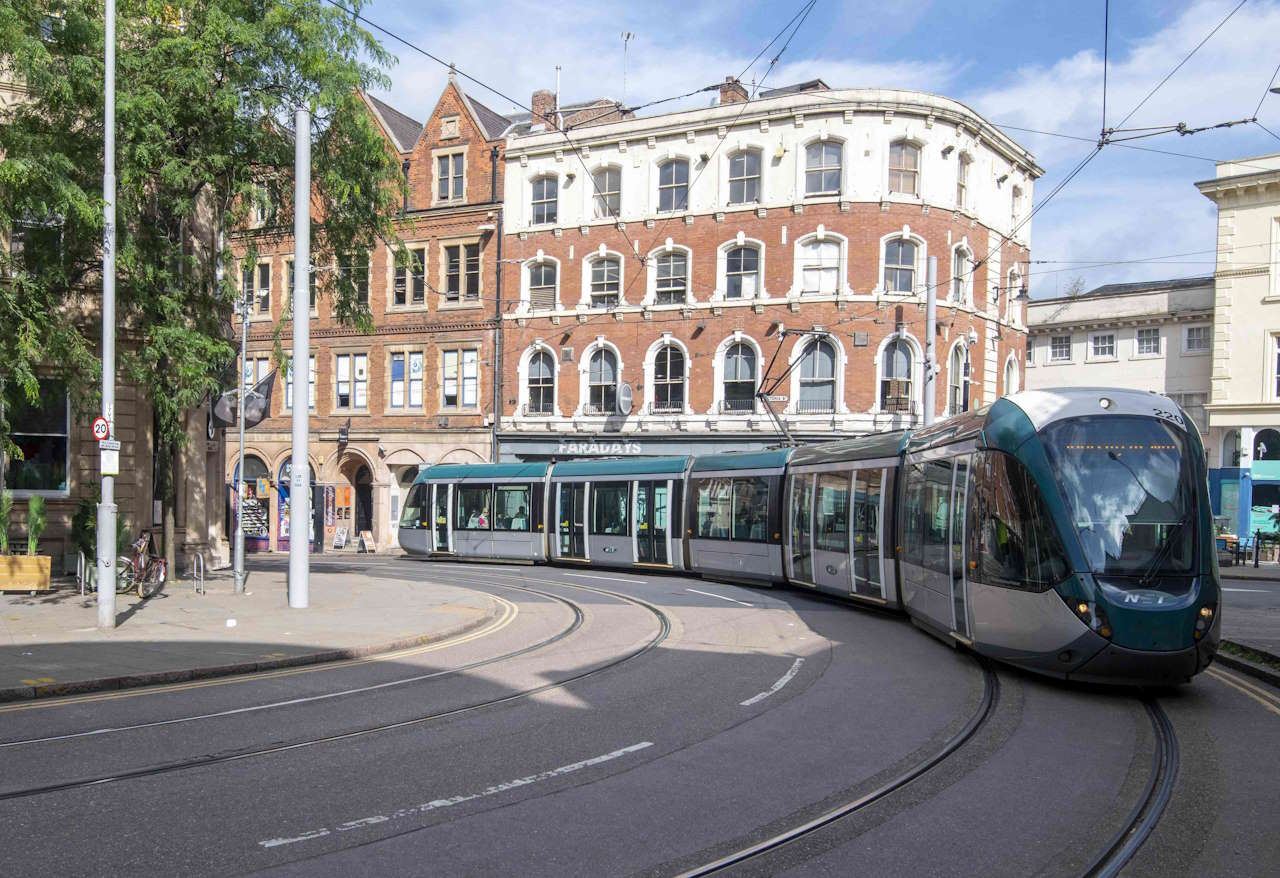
(638, 725)
(1251, 612)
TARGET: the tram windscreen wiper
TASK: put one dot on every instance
(1158, 559)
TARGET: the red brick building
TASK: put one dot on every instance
(667, 270)
(418, 389)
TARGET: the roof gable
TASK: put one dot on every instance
(400, 127)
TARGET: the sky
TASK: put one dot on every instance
(1036, 65)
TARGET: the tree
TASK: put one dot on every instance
(1075, 286)
(204, 107)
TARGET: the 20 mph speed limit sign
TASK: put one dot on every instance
(101, 430)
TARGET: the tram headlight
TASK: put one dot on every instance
(1094, 615)
(1203, 620)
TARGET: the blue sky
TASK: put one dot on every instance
(1030, 64)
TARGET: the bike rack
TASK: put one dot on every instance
(197, 573)
(86, 573)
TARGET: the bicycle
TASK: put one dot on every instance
(142, 571)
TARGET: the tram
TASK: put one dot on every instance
(1066, 532)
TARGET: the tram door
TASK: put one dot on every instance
(441, 517)
(573, 519)
(802, 528)
(959, 563)
(651, 522)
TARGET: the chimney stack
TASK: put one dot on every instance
(543, 104)
(732, 91)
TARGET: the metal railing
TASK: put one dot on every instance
(814, 407)
(738, 405)
(197, 573)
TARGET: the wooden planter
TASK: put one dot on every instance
(24, 572)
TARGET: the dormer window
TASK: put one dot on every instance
(904, 168)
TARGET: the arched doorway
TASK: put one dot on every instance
(284, 490)
(257, 503)
(364, 500)
(1231, 448)
(1266, 445)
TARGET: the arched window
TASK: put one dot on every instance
(545, 200)
(744, 177)
(607, 185)
(742, 273)
(668, 380)
(900, 266)
(1231, 448)
(904, 168)
(822, 162)
(1266, 445)
(820, 266)
(962, 181)
(1012, 292)
(673, 186)
(602, 383)
(671, 283)
(1011, 377)
(961, 275)
(739, 378)
(542, 284)
(542, 384)
(958, 381)
(817, 378)
(895, 377)
(605, 278)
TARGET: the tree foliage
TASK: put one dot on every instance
(205, 94)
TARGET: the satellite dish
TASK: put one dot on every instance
(624, 399)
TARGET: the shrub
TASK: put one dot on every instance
(36, 522)
(6, 508)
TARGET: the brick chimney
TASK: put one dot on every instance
(732, 91)
(543, 104)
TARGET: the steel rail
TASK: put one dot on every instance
(664, 629)
(990, 696)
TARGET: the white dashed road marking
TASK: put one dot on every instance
(436, 804)
(784, 680)
(722, 597)
(1257, 590)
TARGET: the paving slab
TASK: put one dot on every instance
(50, 643)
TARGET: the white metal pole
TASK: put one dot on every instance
(930, 336)
(300, 490)
(241, 493)
(107, 508)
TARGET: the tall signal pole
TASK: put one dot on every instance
(107, 507)
(300, 468)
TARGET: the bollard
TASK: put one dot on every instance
(1257, 546)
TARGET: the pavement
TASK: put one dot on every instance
(50, 643)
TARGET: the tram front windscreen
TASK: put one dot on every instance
(1128, 487)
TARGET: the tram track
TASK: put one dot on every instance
(212, 759)
(1150, 806)
(986, 707)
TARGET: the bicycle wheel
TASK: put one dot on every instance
(126, 575)
(152, 578)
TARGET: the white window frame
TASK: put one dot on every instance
(584, 375)
(534, 201)
(962, 346)
(1138, 353)
(1070, 349)
(1186, 336)
(1091, 352)
(964, 195)
(664, 341)
(454, 156)
(1011, 364)
(353, 360)
(718, 372)
(758, 176)
(658, 185)
(460, 351)
(313, 284)
(651, 264)
(311, 384)
(522, 375)
(406, 403)
(922, 259)
(841, 366)
(965, 295)
(918, 171)
(917, 373)
(800, 261)
(584, 303)
(803, 160)
(409, 303)
(526, 281)
(593, 205)
(464, 299)
(722, 269)
(257, 314)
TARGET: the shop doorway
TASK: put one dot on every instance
(364, 500)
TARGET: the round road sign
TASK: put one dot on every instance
(101, 430)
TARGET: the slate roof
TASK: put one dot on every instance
(1181, 283)
(494, 123)
(794, 88)
(404, 129)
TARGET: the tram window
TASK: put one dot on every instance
(473, 507)
(935, 510)
(1014, 542)
(750, 509)
(609, 509)
(913, 525)
(415, 514)
(713, 508)
(833, 512)
(511, 507)
(535, 509)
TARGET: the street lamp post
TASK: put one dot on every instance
(300, 468)
(238, 566)
(107, 507)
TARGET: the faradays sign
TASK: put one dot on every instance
(599, 449)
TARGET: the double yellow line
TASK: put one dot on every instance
(509, 611)
(1244, 687)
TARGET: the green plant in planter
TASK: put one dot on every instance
(36, 522)
(6, 508)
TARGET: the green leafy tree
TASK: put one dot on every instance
(205, 94)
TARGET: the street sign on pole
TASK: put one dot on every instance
(101, 429)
